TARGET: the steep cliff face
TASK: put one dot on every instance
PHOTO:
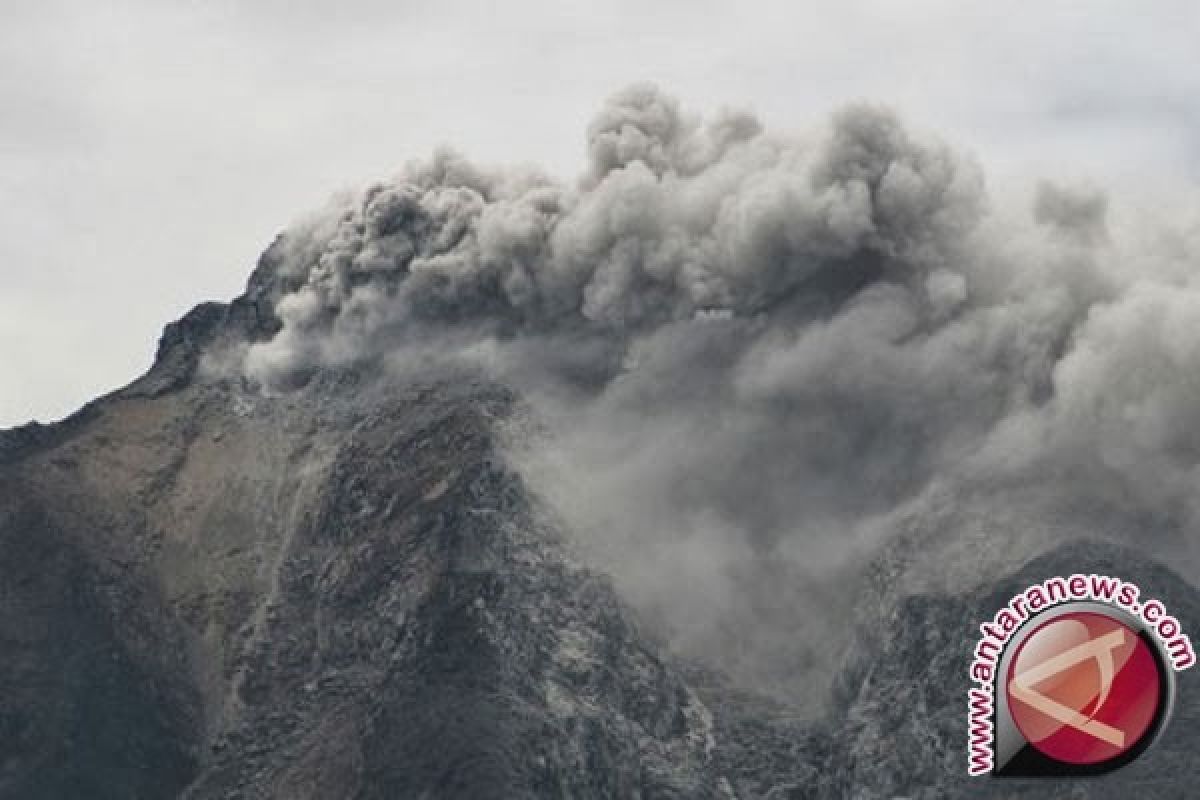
(340, 592)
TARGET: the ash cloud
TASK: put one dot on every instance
(759, 356)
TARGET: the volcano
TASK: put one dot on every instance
(346, 591)
(828, 422)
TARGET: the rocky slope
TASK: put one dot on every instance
(342, 592)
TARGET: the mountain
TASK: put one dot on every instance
(345, 590)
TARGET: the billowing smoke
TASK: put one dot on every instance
(759, 356)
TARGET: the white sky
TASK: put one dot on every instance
(150, 150)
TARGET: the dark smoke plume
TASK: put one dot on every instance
(761, 356)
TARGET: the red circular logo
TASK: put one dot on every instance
(1084, 688)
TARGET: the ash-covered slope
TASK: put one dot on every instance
(340, 592)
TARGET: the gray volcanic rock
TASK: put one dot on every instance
(340, 592)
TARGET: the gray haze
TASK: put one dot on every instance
(757, 356)
(148, 150)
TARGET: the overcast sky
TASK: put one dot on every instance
(149, 151)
